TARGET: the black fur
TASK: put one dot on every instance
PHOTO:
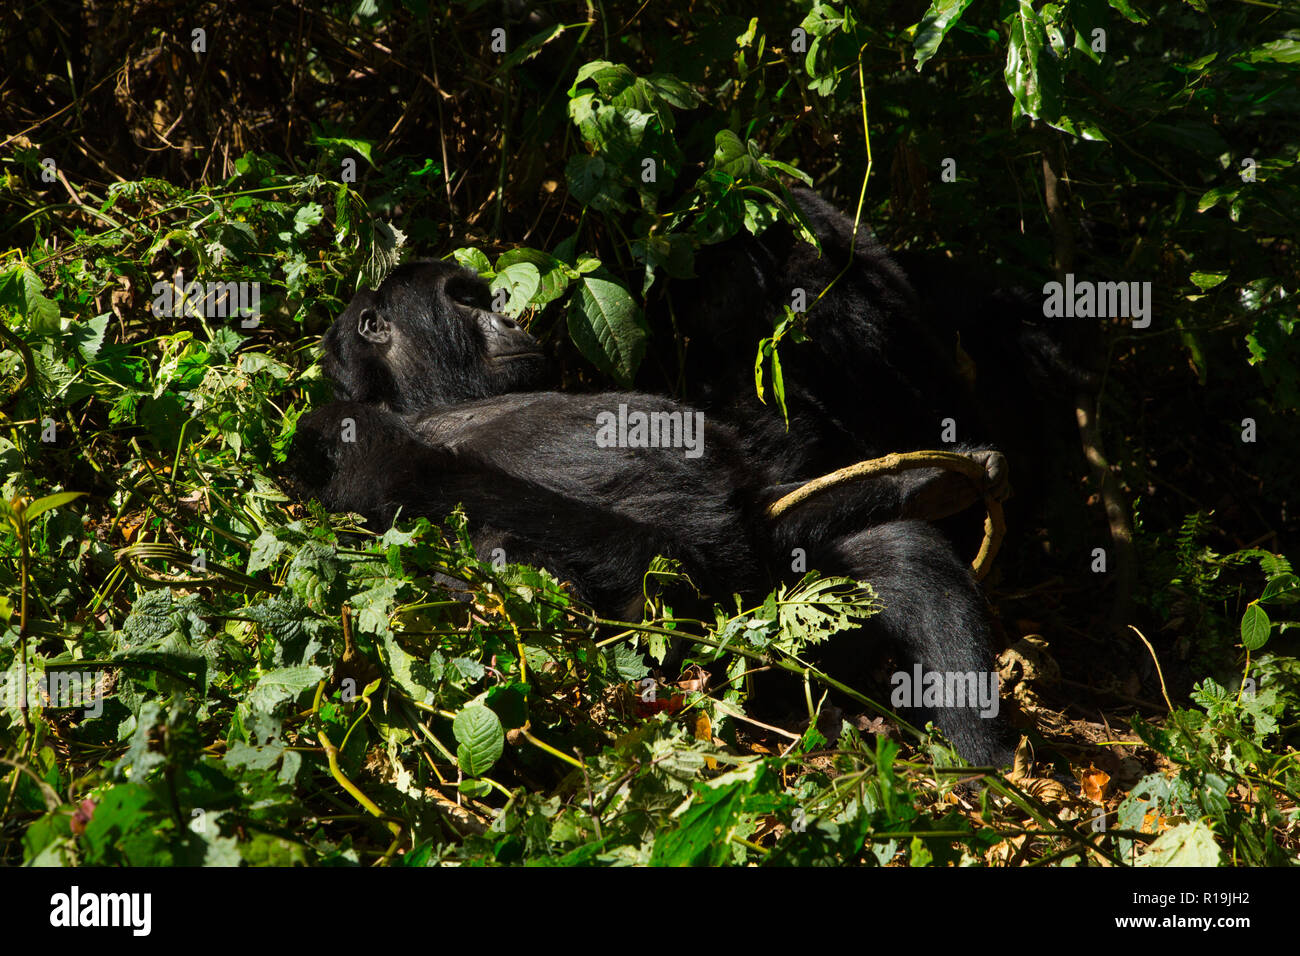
(532, 478)
(893, 350)
(459, 350)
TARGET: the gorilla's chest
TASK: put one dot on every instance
(584, 448)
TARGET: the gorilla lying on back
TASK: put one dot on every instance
(537, 479)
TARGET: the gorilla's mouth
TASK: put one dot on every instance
(516, 356)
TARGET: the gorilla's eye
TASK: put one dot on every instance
(467, 292)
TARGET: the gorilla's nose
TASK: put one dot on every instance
(503, 323)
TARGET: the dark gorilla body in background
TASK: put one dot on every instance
(409, 361)
(899, 343)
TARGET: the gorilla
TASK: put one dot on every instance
(891, 353)
(898, 344)
(467, 351)
(428, 415)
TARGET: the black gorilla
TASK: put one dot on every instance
(534, 480)
(409, 366)
(897, 346)
(892, 351)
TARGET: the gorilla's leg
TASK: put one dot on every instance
(934, 617)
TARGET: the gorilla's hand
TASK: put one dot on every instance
(937, 493)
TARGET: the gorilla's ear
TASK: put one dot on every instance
(372, 327)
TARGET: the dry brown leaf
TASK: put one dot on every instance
(1046, 789)
(703, 726)
(1094, 784)
(1023, 765)
(704, 731)
(694, 678)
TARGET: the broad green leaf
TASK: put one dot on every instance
(1285, 50)
(1255, 626)
(672, 253)
(522, 281)
(361, 147)
(1208, 280)
(88, 336)
(607, 327)
(554, 278)
(594, 184)
(703, 831)
(472, 258)
(21, 288)
(250, 363)
(1215, 195)
(480, 739)
(673, 90)
(1281, 590)
(732, 156)
(789, 170)
(1188, 844)
(385, 250)
(1033, 71)
(282, 684)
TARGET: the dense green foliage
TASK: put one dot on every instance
(273, 685)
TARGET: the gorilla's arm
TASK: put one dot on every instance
(532, 487)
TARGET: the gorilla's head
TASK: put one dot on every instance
(428, 337)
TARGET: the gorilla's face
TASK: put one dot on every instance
(428, 337)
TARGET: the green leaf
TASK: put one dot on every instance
(472, 258)
(675, 91)
(1284, 50)
(702, 835)
(386, 241)
(282, 684)
(1082, 128)
(480, 739)
(1127, 10)
(42, 505)
(627, 661)
(593, 183)
(374, 606)
(1215, 195)
(312, 573)
(307, 217)
(1188, 844)
(1033, 71)
(521, 280)
(607, 326)
(250, 363)
(88, 336)
(1255, 626)
(934, 26)
(554, 277)
(1284, 589)
(792, 171)
(817, 609)
(531, 47)
(1208, 280)
(361, 147)
(406, 671)
(672, 253)
(733, 156)
(21, 288)
(265, 552)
